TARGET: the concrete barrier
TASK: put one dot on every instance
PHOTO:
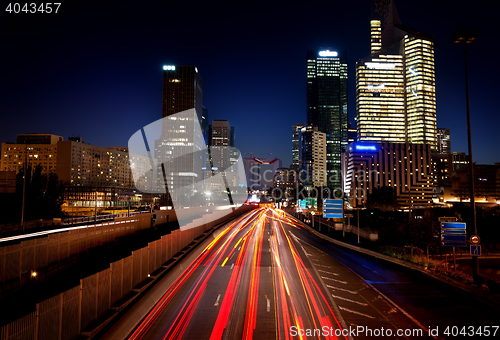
(85, 309)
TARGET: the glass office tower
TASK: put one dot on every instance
(395, 85)
(327, 105)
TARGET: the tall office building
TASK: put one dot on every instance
(296, 128)
(444, 141)
(182, 90)
(327, 105)
(395, 85)
(180, 147)
(221, 142)
(313, 157)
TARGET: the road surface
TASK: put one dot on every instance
(266, 277)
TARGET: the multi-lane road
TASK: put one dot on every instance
(265, 277)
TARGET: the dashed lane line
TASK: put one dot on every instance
(343, 290)
(355, 312)
(339, 281)
(349, 300)
(324, 271)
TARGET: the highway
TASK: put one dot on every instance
(266, 277)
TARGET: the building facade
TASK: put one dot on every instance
(91, 175)
(395, 84)
(327, 105)
(296, 130)
(181, 148)
(260, 172)
(313, 169)
(38, 138)
(486, 184)
(14, 156)
(443, 141)
(402, 166)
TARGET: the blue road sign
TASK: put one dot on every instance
(332, 208)
(453, 234)
(475, 250)
(453, 225)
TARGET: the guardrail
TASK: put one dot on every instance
(90, 219)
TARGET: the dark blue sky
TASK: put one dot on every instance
(95, 70)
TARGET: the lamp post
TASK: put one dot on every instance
(97, 159)
(466, 37)
(25, 168)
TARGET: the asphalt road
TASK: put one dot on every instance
(265, 277)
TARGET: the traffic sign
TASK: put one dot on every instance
(474, 239)
(453, 234)
(447, 219)
(332, 208)
(475, 250)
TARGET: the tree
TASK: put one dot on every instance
(383, 198)
(44, 193)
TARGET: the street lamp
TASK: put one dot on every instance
(467, 37)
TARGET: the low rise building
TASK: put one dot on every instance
(404, 167)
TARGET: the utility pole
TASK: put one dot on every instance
(25, 168)
(466, 37)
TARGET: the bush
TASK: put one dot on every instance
(480, 280)
(493, 286)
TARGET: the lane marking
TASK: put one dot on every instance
(354, 312)
(232, 266)
(268, 304)
(384, 296)
(269, 268)
(315, 260)
(339, 281)
(343, 290)
(217, 301)
(349, 300)
(324, 271)
(321, 265)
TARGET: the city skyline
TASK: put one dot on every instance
(88, 79)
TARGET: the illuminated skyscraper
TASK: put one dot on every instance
(296, 128)
(395, 85)
(182, 90)
(313, 149)
(444, 141)
(179, 147)
(327, 105)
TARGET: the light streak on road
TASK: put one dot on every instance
(248, 291)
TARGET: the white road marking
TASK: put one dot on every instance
(269, 268)
(217, 301)
(268, 305)
(327, 278)
(354, 312)
(232, 266)
(315, 260)
(321, 265)
(324, 271)
(349, 300)
(343, 290)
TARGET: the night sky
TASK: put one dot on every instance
(95, 70)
